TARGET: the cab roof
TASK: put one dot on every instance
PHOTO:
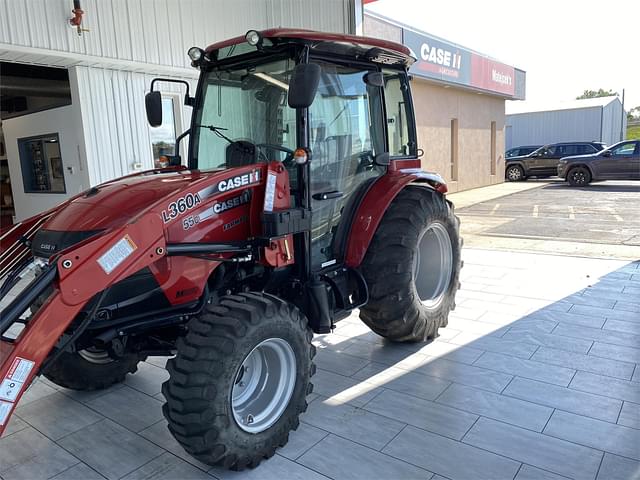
(373, 49)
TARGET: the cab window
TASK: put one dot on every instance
(396, 100)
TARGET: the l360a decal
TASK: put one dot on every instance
(180, 206)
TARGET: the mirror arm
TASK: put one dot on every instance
(179, 139)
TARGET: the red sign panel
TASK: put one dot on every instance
(491, 75)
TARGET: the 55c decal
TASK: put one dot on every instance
(180, 206)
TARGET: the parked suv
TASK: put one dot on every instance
(521, 151)
(618, 162)
(543, 162)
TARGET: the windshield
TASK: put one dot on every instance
(244, 117)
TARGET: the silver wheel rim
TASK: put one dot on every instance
(579, 178)
(513, 173)
(263, 385)
(433, 265)
(93, 355)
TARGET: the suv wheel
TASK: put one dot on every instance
(579, 177)
(515, 173)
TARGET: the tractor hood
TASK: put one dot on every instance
(114, 203)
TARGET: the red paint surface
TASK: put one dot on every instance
(486, 74)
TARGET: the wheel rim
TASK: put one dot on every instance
(263, 385)
(433, 265)
(513, 174)
(94, 355)
(579, 177)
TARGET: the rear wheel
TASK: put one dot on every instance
(240, 379)
(91, 369)
(579, 177)
(412, 267)
(515, 173)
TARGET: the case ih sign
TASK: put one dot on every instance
(448, 62)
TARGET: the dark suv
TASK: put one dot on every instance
(520, 151)
(543, 162)
(618, 162)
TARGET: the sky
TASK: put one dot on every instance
(565, 46)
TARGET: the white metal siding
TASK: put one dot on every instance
(158, 31)
(538, 128)
(611, 123)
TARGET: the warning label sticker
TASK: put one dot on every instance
(5, 408)
(20, 369)
(270, 192)
(117, 254)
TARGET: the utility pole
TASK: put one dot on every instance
(622, 132)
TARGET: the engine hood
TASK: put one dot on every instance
(114, 203)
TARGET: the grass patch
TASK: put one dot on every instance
(633, 132)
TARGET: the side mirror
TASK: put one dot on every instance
(375, 79)
(606, 153)
(303, 85)
(153, 105)
(383, 159)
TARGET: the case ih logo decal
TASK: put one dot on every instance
(180, 206)
(217, 208)
(239, 181)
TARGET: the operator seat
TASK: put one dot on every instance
(241, 153)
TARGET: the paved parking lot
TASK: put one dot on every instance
(603, 214)
(536, 377)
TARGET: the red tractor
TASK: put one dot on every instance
(302, 199)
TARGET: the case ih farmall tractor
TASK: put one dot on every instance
(302, 199)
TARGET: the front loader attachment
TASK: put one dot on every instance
(61, 290)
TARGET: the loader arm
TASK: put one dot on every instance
(75, 276)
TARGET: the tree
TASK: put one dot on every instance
(597, 93)
(633, 114)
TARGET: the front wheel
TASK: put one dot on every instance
(412, 267)
(240, 379)
(515, 173)
(579, 177)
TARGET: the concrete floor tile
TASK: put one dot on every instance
(28, 455)
(403, 381)
(502, 344)
(465, 374)
(527, 472)
(605, 312)
(275, 468)
(533, 325)
(449, 458)
(57, 416)
(167, 467)
(339, 363)
(627, 306)
(79, 472)
(622, 326)
(473, 326)
(434, 417)
(160, 435)
(341, 459)
(160, 362)
(388, 354)
(612, 387)
(604, 335)
(15, 425)
(110, 449)
(37, 390)
(605, 436)
(536, 449)
(618, 468)
(630, 415)
(148, 379)
(615, 352)
(549, 340)
(499, 407)
(301, 440)
(596, 406)
(587, 363)
(451, 351)
(571, 318)
(343, 389)
(352, 423)
(526, 368)
(129, 408)
(579, 299)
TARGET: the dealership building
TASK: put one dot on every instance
(72, 97)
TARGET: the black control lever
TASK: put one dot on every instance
(327, 195)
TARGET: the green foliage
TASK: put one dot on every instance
(633, 114)
(633, 132)
(597, 93)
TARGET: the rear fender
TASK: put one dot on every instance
(375, 204)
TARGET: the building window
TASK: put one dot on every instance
(494, 160)
(163, 137)
(41, 164)
(454, 149)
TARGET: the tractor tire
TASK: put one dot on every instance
(412, 267)
(91, 369)
(240, 380)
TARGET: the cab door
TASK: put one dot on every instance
(346, 134)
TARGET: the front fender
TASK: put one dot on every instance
(376, 202)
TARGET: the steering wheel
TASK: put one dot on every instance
(279, 148)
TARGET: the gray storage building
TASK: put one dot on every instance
(593, 119)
